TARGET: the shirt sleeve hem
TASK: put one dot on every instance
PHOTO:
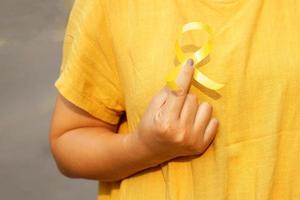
(96, 109)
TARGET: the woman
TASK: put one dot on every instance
(116, 57)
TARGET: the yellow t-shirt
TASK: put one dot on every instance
(117, 54)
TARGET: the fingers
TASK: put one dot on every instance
(205, 127)
(184, 79)
(189, 110)
(202, 119)
(175, 99)
(210, 131)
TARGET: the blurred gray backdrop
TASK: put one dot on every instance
(31, 36)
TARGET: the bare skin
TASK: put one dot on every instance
(173, 125)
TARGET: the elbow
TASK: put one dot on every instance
(66, 171)
(64, 168)
(73, 167)
(61, 158)
(73, 163)
(75, 172)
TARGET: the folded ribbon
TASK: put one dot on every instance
(197, 56)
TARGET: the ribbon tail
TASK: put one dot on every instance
(205, 81)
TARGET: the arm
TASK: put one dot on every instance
(86, 147)
(173, 125)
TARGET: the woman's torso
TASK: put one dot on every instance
(256, 55)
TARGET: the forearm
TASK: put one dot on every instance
(96, 153)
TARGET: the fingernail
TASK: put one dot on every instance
(190, 62)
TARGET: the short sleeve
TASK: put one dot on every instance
(89, 76)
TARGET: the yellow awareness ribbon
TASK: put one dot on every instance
(197, 57)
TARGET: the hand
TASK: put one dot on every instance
(174, 124)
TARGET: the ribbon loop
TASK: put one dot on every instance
(197, 56)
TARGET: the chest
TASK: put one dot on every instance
(255, 54)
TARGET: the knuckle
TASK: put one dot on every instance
(181, 138)
(162, 127)
(179, 92)
(178, 140)
(158, 118)
(183, 130)
(165, 127)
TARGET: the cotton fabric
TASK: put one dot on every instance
(117, 54)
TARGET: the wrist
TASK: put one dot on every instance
(139, 152)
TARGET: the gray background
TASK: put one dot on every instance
(31, 36)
